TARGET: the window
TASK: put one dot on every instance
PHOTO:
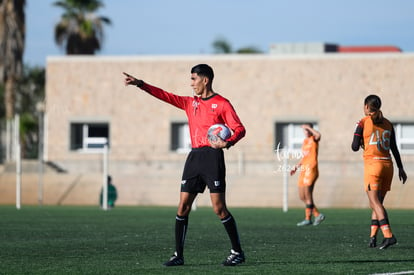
(404, 134)
(180, 137)
(89, 137)
(289, 135)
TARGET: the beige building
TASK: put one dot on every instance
(273, 94)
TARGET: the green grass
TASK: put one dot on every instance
(137, 240)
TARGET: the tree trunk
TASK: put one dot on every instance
(9, 96)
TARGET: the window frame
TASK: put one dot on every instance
(398, 128)
(88, 143)
(180, 139)
(292, 140)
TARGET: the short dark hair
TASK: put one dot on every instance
(203, 70)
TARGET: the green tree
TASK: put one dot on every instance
(222, 46)
(12, 39)
(80, 30)
(31, 91)
(2, 109)
(250, 49)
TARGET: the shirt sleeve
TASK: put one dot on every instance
(233, 122)
(173, 99)
(358, 138)
(394, 149)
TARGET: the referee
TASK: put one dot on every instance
(205, 165)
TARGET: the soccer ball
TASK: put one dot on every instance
(218, 130)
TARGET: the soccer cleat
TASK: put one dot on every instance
(234, 258)
(373, 242)
(175, 260)
(319, 219)
(304, 223)
(388, 242)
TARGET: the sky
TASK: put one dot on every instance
(189, 27)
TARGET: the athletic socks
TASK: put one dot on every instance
(231, 228)
(308, 212)
(315, 211)
(374, 228)
(385, 228)
(181, 224)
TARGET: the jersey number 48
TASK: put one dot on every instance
(381, 140)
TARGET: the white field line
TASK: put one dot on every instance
(396, 273)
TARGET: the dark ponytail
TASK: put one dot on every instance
(374, 104)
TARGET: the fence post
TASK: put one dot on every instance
(18, 161)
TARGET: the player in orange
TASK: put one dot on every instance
(309, 173)
(375, 134)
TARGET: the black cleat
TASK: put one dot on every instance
(373, 242)
(175, 260)
(234, 258)
(388, 242)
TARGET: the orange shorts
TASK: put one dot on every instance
(308, 176)
(378, 175)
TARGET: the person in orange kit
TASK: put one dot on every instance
(309, 173)
(375, 134)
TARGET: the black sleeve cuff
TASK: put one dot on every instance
(229, 144)
(140, 83)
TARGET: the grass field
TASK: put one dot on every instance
(137, 240)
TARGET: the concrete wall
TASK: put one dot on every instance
(264, 89)
(261, 189)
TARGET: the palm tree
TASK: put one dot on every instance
(12, 38)
(80, 31)
(222, 46)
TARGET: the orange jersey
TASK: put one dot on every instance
(310, 152)
(308, 176)
(377, 139)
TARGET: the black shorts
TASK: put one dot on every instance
(204, 166)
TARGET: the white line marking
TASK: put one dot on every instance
(396, 273)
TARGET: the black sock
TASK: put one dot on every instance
(384, 221)
(181, 223)
(231, 228)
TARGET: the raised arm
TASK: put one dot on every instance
(130, 80)
(173, 99)
(316, 135)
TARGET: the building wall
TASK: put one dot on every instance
(264, 89)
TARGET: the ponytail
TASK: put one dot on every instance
(377, 117)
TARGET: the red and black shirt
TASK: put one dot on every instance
(202, 113)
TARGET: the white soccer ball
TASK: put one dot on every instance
(218, 130)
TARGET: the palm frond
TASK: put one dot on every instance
(80, 28)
